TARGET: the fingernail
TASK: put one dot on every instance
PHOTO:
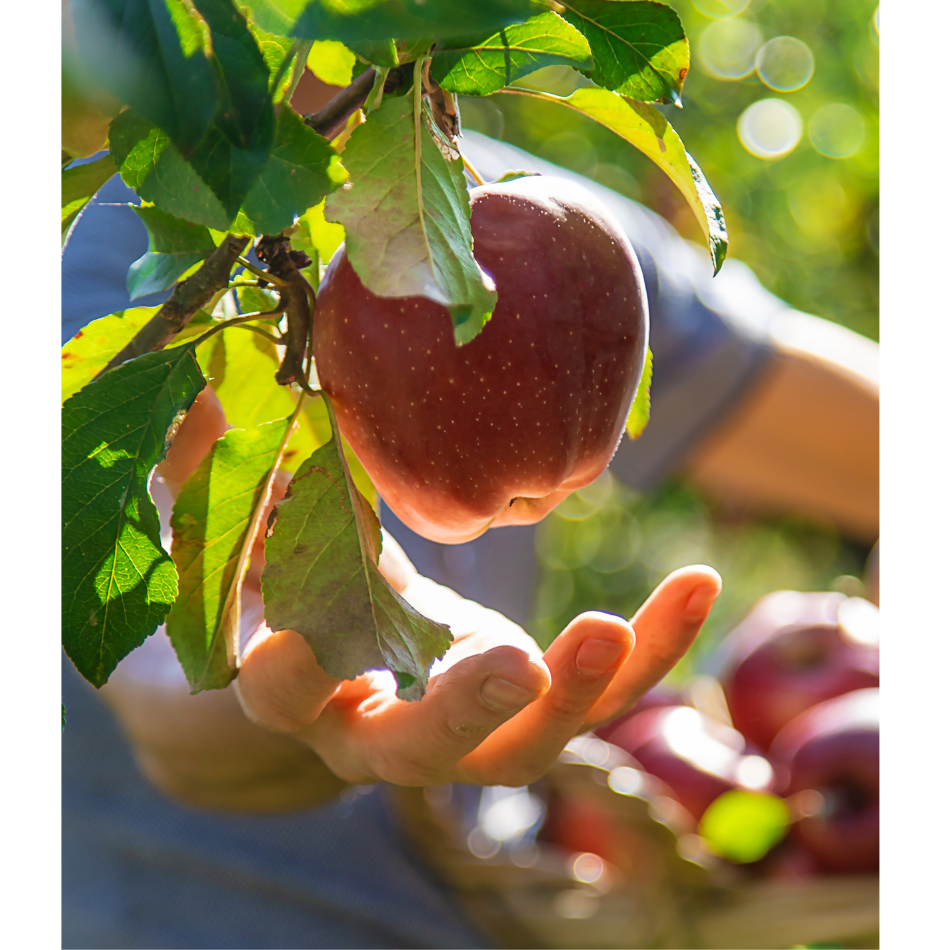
(699, 603)
(595, 657)
(504, 696)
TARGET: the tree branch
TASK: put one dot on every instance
(188, 297)
(330, 118)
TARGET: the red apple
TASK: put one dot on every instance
(657, 698)
(697, 757)
(833, 749)
(499, 431)
(791, 652)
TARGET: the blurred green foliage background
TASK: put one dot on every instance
(786, 131)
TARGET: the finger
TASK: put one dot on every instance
(280, 684)
(420, 743)
(666, 625)
(475, 629)
(395, 564)
(582, 661)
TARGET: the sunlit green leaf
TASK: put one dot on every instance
(648, 130)
(173, 247)
(80, 184)
(639, 48)
(642, 403)
(406, 216)
(93, 346)
(331, 62)
(273, 16)
(743, 826)
(213, 521)
(479, 66)
(152, 56)
(302, 169)
(322, 579)
(275, 51)
(150, 164)
(237, 144)
(326, 236)
(350, 20)
(378, 52)
(117, 580)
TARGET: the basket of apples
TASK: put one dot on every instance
(771, 771)
(738, 811)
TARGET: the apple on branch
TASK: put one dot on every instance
(500, 430)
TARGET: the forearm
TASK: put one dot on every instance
(807, 437)
(202, 751)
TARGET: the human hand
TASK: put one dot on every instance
(497, 711)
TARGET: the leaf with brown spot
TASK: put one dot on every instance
(322, 580)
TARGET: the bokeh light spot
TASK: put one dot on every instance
(727, 48)
(717, 9)
(837, 130)
(785, 64)
(770, 129)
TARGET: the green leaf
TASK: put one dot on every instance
(302, 169)
(326, 236)
(273, 16)
(153, 57)
(239, 365)
(322, 579)
(639, 411)
(281, 62)
(648, 130)
(92, 347)
(117, 580)
(351, 20)
(253, 299)
(743, 826)
(331, 62)
(213, 522)
(639, 48)
(377, 52)
(406, 215)
(150, 164)
(173, 247)
(80, 184)
(236, 146)
(514, 175)
(63, 717)
(478, 67)
(230, 151)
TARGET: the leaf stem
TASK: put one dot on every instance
(278, 340)
(234, 594)
(262, 274)
(418, 64)
(374, 98)
(234, 322)
(471, 169)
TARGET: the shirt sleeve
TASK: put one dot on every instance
(104, 241)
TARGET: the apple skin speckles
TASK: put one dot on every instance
(556, 338)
